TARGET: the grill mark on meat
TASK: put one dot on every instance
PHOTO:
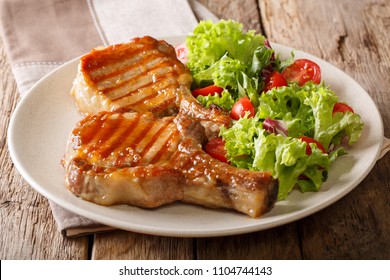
(120, 87)
(144, 135)
(166, 150)
(90, 132)
(157, 102)
(128, 66)
(116, 56)
(154, 145)
(132, 144)
(133, 154)
(159, 91)
(140, 74)
(144, 96)
(113, 144)
(149, 66)
(169, 164)
(109, 126)
(103, 132)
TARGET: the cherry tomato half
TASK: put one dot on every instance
(342, 107)
(216, 148)
(181, 52)
(242, 106)
(274, 80)
(207, 90)
(309, 140)
(302, 71)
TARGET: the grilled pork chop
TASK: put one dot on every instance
(141, 140)
(138, 159)
(142, 75)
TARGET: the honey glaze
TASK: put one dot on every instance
(141, 140)
(142, 75)
(125, 139)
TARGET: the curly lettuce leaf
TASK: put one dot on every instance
(322, 100)
(224, 73)
(308, 110)
(286, 157)
(249, 146)
(224, 55)
(209, 42)
(239, 141)
(224, 100)
(288, 105)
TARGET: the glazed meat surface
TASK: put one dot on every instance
(139, 159)
(142, 75)
(141, 140)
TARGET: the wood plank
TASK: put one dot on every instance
(28, 230)
(279, 243)
(356, 227)
(358, 45)
(244, 11)
(338, 40)
(136, 246)
(122, 245)
(354, 44)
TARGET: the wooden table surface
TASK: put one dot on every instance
(354, 35)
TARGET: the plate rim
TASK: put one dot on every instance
(291, 217)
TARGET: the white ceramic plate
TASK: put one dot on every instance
(42, 121)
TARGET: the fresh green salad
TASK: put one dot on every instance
(285, 118)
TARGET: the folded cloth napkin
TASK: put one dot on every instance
(41, 35)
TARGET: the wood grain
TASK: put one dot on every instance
(346, 37)
(28, 230)
(353, 45)
(127, 245)
(352, 35)
(279, 243)
(244, 11)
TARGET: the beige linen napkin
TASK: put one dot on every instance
(41, 35)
